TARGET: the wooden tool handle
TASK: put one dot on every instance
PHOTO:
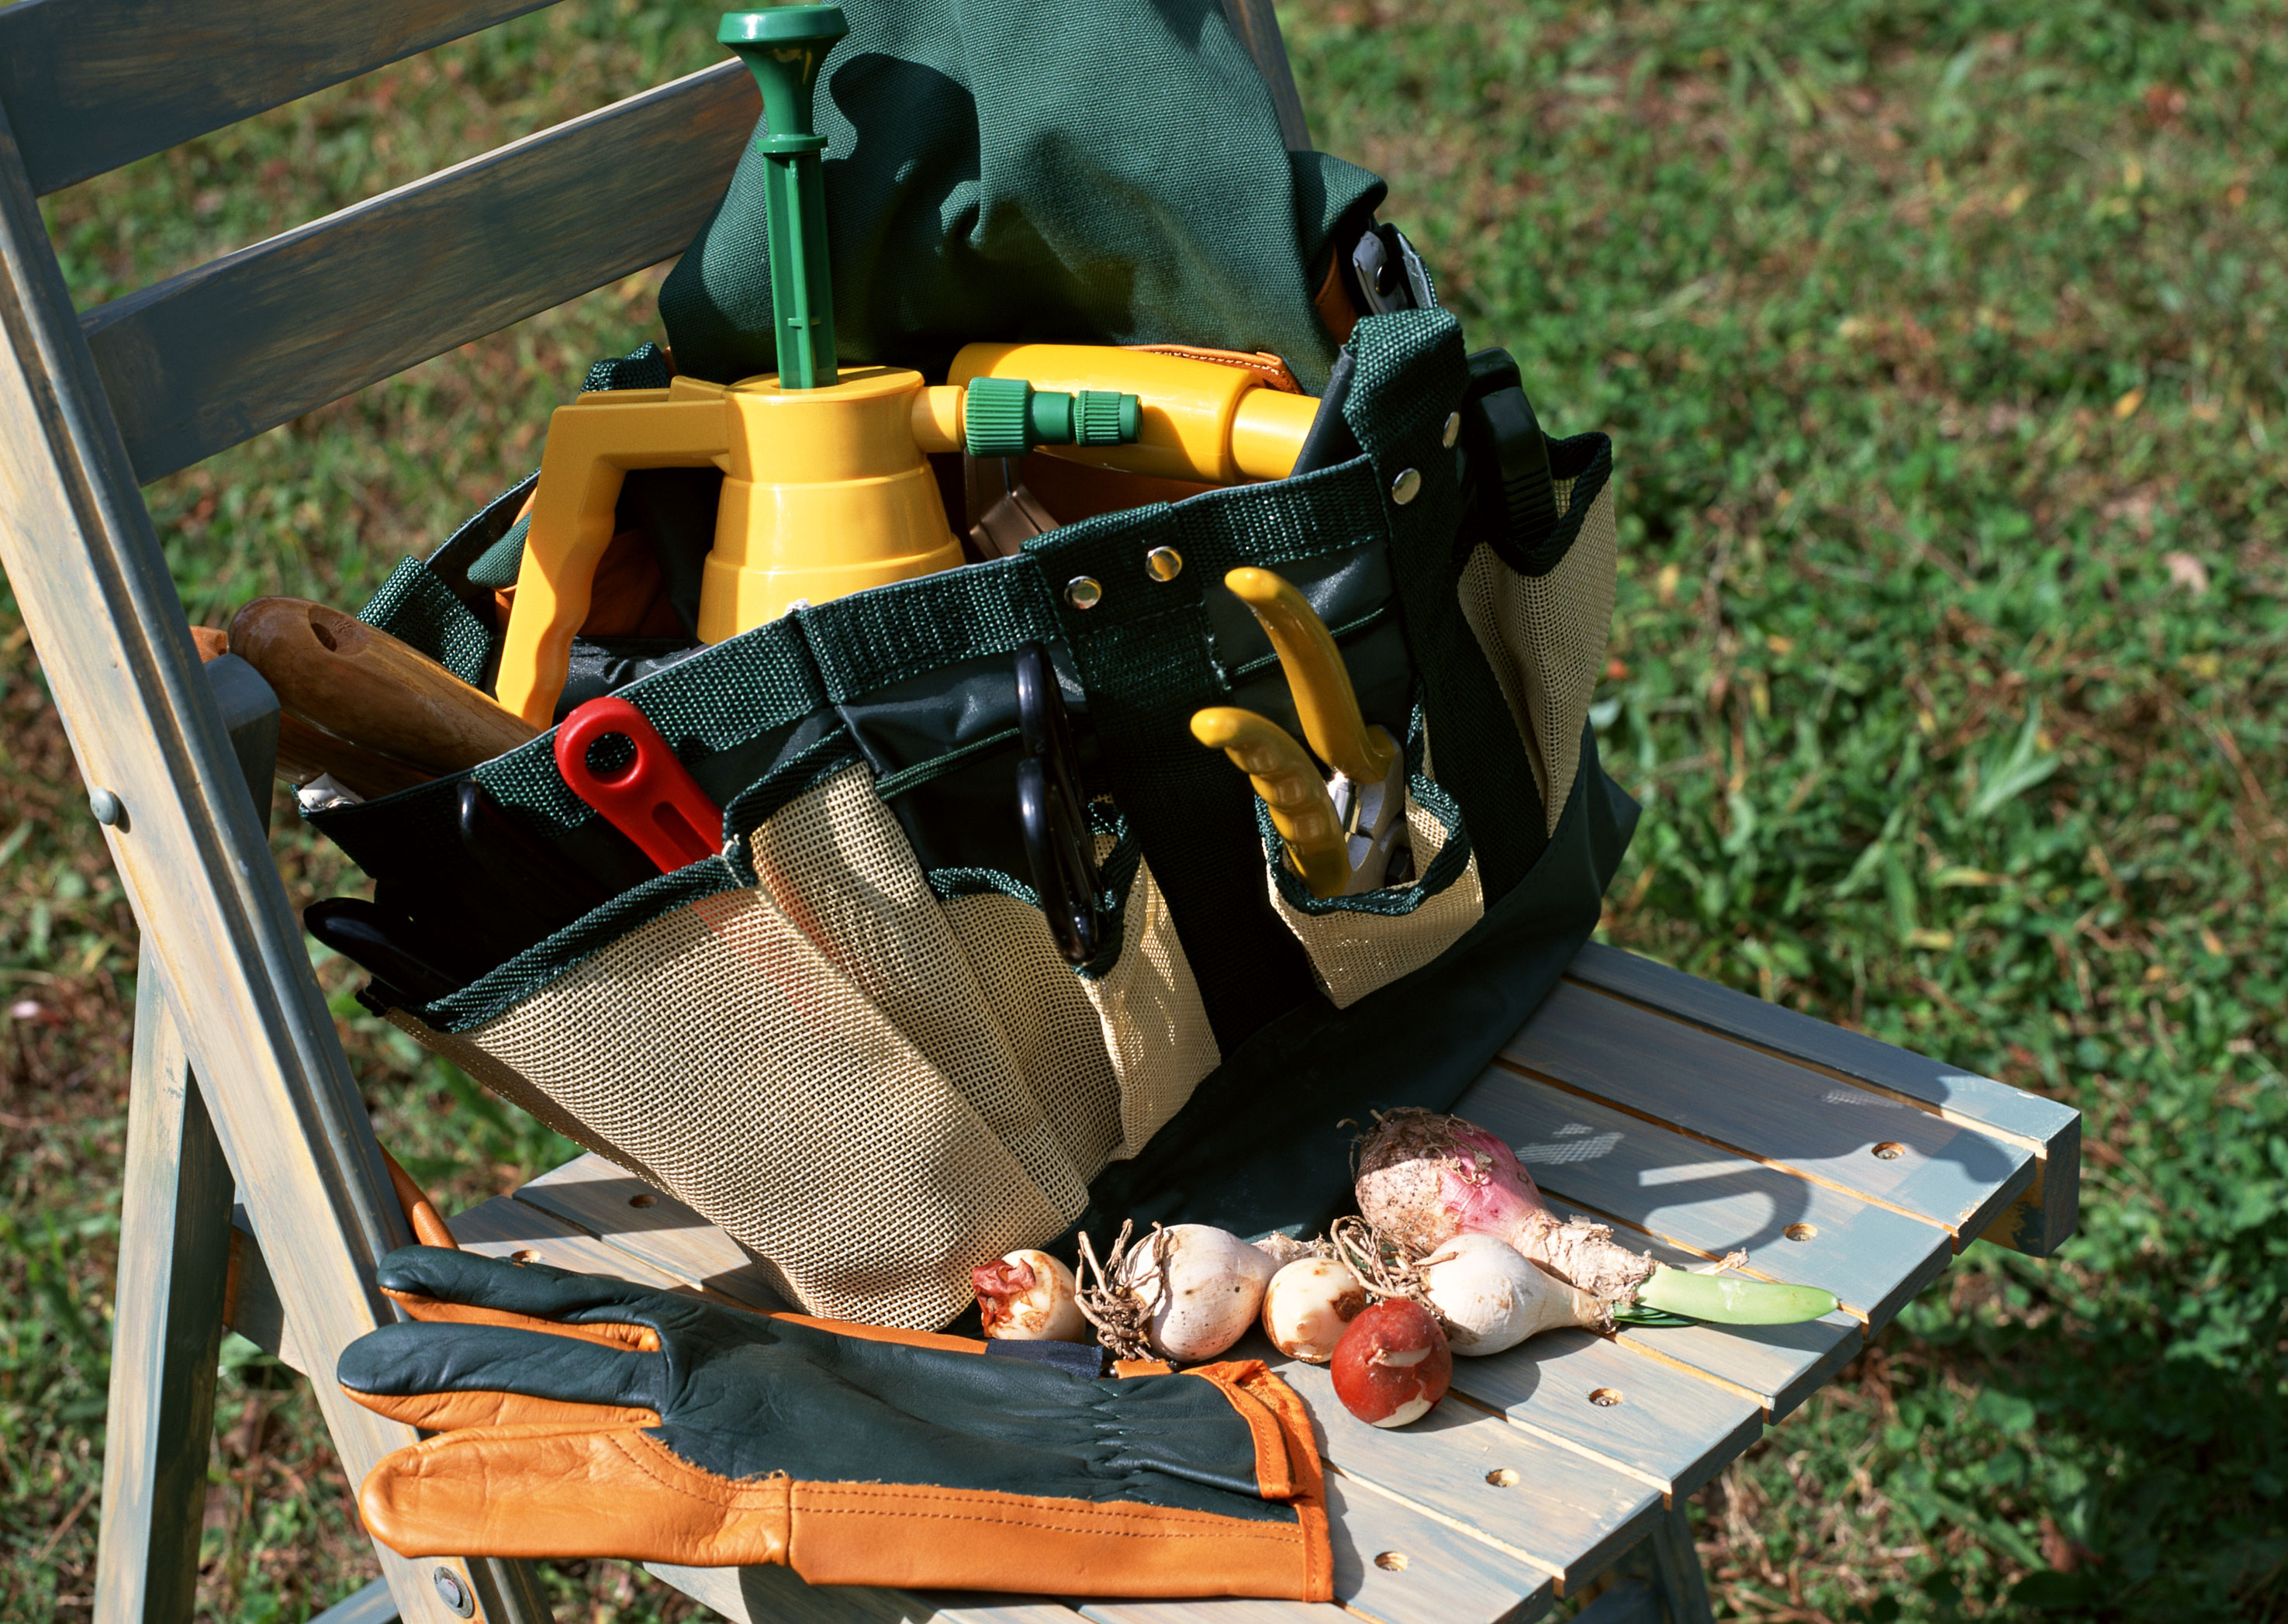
(306, 750)
(363, 686)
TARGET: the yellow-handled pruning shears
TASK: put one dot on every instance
(1340, 834)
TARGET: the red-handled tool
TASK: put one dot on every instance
(652, 800)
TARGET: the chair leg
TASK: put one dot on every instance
(174, 1254)
(1676, 1569)
(88, 572)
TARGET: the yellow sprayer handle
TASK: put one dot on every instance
(1288, 782)
(591, 445)
(1324, 700)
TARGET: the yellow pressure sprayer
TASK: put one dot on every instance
(827, 489)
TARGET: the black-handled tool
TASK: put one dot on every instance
(523, 868)
(382, 943)
(1058, 846)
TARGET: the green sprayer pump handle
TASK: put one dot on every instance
(784, 47)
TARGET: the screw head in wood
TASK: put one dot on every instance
(109, 810)
(1083, 592)
(453, 1593)
(1406, 488)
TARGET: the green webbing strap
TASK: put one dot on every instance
(1409, 374)
(499, 565)
(868, 640)
(1144, 653)
(645, 367)
(1586, 460)
(414, 606)
(738, 690)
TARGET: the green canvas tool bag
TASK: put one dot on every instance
(849, 1039)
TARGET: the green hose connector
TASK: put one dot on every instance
(1727, 1299)
(1007, 416)
(784, 47)
(1102, 417)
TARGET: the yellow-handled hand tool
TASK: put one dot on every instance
(1324, 698)
(1288, 779)
(1369, 789)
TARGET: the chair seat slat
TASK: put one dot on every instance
(1682, 1076)
(2042, 1215)
(1777, 1366)
(1660, 1421)
(216, 355)
(1694, 1195)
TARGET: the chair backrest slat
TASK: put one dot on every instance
(92, 85)
(214, 356)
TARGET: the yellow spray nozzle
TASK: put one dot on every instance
(1200, 421)
(1301, 809)
(1324, 700)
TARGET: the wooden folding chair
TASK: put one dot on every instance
(1700, 1119)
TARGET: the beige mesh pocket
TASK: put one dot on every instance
(1359, 944)
(1545, 635)
(718, 1053)
(1113, 1056)
(871, 1091)
(840, 864)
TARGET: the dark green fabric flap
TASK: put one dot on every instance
(1110, 172)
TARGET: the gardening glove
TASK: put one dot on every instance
(584, 1416)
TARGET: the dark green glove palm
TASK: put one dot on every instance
(586, 1416)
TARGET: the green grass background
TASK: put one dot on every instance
(1941, 345)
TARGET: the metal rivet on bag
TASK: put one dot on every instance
(1452, 431)
(453, 1593)
(1406, 488)
(1163, 564)
(109, 810)
(1083, 592)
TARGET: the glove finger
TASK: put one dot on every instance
(458, 1412)
(451, 1370)
(607, 1333)
(432, 1282)
(566, 1492)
